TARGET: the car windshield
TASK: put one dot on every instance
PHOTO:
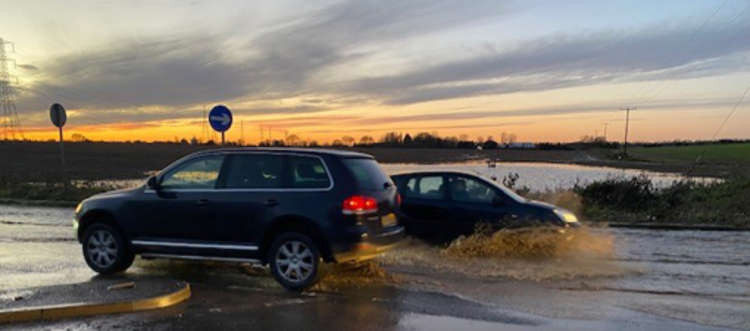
(507, 191)
(367, 173)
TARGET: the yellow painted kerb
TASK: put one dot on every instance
(84, 309)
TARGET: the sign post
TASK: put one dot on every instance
(58, 117)
(220, 119)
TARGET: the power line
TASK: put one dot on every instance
(716, 133)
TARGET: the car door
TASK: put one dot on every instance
(425, 205)
(474, 201)
(181, 210)
(252, 188)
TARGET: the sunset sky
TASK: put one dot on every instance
(544, 70)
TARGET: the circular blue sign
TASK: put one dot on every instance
(220, 118)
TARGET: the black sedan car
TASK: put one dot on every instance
(440, 206)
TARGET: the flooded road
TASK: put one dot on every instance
(646, 279)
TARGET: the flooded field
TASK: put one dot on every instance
(542, 176)
(537, 176)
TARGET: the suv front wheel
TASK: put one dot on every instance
(104, 249)
(294, 261)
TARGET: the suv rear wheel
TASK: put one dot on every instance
(294, 260)
(104, 249)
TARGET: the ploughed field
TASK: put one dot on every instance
(39, 161)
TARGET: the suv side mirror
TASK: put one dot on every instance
(153, 183)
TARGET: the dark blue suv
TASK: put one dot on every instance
(289, 208)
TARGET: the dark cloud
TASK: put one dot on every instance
(551, 63)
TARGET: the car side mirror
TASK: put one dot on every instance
(153, 183)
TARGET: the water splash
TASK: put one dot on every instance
(526, 254)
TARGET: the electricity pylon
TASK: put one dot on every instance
(11, 126)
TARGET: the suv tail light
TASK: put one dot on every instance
(398, 199)
(359, 204)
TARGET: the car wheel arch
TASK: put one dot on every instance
(294, 223)
(98, 216)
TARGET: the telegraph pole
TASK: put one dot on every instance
(627, 125)
(11, 124)
(605, 131)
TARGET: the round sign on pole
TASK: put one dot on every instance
(57, 115)
(220, 118)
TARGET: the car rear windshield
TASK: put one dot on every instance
(367, 173)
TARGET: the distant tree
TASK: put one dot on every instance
(183, 141)
(348, 140)
(79, 138)
(366, 140)
(463, 137)
(293, 140)
(407, 139)
(392, 138)
(312, 143)
(489, 144)
(194, 141)
(338, 143)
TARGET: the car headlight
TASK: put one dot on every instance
(78, 207)
(566, 216)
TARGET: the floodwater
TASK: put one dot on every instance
(593, 279)
(537, 176)
(37, 247)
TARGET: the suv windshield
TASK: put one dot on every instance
(367, 173)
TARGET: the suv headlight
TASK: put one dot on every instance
(566, 216)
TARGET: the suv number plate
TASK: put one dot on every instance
(388, 220)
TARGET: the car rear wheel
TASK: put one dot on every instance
(294, 260)
(105, 251)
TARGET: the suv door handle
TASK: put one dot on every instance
(202, 202)
(271, 202)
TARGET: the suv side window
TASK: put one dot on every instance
(307, 172)
(200, 173)
(466, 189)
(253, 171)
(426, 187)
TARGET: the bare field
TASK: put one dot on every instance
(40, 161)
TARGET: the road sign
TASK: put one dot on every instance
(57, 115)
(220, 118)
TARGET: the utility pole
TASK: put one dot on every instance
(627, 126)
(605, 131)
(242, 132)
(11, 124)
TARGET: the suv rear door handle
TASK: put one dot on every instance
(271, 202)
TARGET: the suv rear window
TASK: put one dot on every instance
(308, 172)
(367, 173)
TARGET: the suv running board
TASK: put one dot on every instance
(198, 257)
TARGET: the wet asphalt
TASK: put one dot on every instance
(687, 280)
